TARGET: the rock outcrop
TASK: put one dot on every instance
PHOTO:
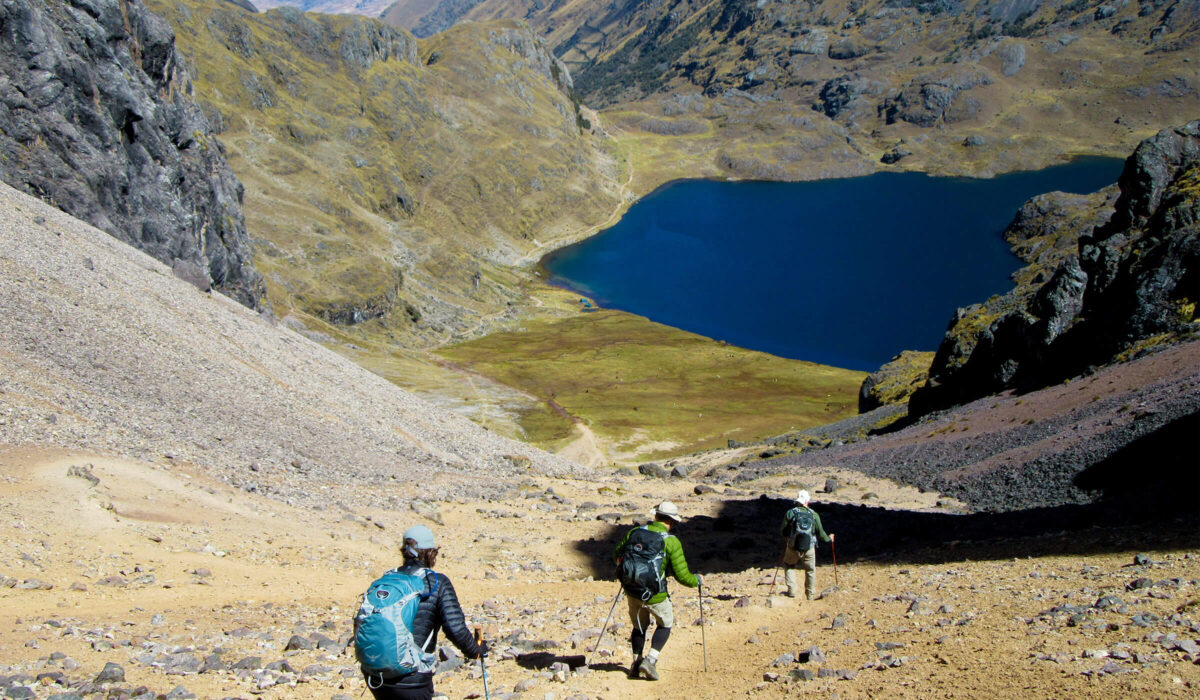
(1132, 284)
(934, 99)
(894, 382)
(96, 117)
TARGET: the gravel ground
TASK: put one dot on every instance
(102, 348)
(1130, 426)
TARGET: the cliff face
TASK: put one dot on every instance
(1133, 283)
(96, 118)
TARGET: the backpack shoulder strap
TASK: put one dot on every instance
(431, 583)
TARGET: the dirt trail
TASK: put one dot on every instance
(176, 568)
(585, 449)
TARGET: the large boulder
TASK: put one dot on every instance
(937, 98)
(96, 117)
(849, 97)
(1012, 57)
(812, 41)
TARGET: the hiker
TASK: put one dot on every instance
(644, 557)
(395, 642)
(800, 524)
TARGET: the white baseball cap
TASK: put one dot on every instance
(802, 498)
(668, 509)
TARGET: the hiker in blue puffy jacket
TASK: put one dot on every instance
(802, 526)
(438, 608)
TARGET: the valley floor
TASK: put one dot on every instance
(194, 588)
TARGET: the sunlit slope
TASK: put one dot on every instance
(792, 91)
(391, 184)
(647, 390)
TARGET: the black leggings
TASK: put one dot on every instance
(408, 691)
(638, 639)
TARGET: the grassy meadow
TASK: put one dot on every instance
(649, 391)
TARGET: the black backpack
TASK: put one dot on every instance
(802, 529)
(640, 564)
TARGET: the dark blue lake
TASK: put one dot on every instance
(842, 272)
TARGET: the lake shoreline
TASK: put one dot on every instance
(548, 269)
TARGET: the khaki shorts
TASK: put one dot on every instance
(640, 613)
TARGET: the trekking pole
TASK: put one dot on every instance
(777, 568)
(833, 548)
(605, 627)
(703, 640)
(482, 666)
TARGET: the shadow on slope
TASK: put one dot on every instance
(1149, 498)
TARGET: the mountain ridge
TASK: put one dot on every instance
(411, 227)
(963, 88)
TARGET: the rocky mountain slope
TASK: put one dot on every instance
(97, 116)
(392, 185)
(1125, 434)
(972, 87)
(1130, 283)
(103, 349)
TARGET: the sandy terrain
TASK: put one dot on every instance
(158, 568)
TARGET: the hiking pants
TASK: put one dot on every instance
(640, 614)
(806, 562)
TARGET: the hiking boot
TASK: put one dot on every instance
(633, 669)
(647, 670)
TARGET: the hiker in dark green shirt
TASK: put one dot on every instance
(802, 526)
(644, 557)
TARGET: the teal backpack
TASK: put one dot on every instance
(383, 638)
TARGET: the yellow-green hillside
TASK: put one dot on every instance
(648, 391)
(391, 184)
(398, 192)
(807, 90)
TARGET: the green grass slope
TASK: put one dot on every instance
(649, 391)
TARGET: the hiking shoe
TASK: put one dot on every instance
(633, 669)
(647, 670)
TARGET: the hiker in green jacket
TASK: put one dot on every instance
(644, 557)
(801, 526)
